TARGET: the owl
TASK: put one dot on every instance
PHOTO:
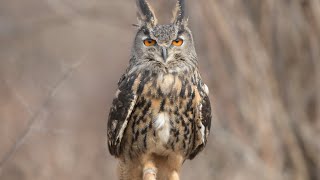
(161, 114)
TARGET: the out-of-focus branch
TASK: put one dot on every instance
(22, 137)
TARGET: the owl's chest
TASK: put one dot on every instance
(168, 86)
(169, 96)
(165, 112)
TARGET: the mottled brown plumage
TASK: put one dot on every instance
(161, 114)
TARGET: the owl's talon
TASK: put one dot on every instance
(149, 174)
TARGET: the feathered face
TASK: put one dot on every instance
(165, 44)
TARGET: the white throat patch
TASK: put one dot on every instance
(166, 83)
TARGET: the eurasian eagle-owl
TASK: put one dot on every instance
(161, 114)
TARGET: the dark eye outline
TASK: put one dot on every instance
(177, 42)
(149, 42)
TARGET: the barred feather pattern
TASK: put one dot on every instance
(161, 113)
(177, 92)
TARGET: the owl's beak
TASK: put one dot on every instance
(164, 53)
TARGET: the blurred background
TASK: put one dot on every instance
(60, 61)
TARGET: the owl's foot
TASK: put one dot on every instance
(149, 174)
(174, 176)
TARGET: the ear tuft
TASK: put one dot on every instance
(179, 13)
(146, 14)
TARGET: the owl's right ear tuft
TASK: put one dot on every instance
(179, 14)
(145, 14)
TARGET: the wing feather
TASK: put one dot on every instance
(120, 112)
(204, 116)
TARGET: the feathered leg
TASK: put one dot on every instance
(149, 169)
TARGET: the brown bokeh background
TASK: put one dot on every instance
(60, 61)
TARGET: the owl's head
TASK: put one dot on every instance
(167, 43)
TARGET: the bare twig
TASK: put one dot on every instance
(21, 99)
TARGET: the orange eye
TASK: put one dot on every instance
(177, 42)
(149, 42)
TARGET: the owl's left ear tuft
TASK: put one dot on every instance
(146, 14)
